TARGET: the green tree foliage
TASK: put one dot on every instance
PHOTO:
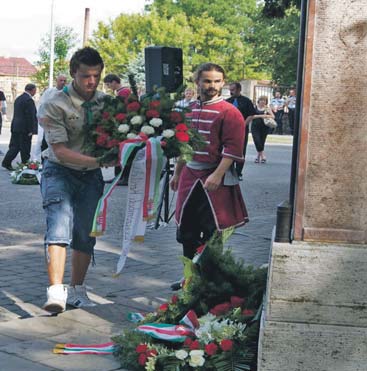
(275, 43)
(65, 39)
(236, 35)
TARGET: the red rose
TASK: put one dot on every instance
(188, 342)
(236, 301)
(194, 345)
(133, 107)
(200, 249)
(211, 349)
(181, 127)
(105, 115)
(33, 166)
(112, 143)
(120, 117)
(174, 299)
(175, 117)
(141, 348)
(142, 360)
(226, 345)
(247, 312)
(151, 113)
(163, 307)
(100, 130)
(221, 309)
(102, 139)
(151, 353)
(182, 137)
(154, 104)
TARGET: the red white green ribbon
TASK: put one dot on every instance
(105, 348)
(165, 331)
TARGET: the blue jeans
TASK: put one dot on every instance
(70, 199)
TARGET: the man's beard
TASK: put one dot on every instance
(211, 92)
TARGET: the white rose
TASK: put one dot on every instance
(25, 167)
(148, 130)
(136, 120)
(196, 358)
(131, 136)
(168, 133)
(181, 354)
(123, 128)
(155, 122)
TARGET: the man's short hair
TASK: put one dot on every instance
(111, 77)
(208, 67)
(87, 56)
(30, 87)
(237, 85)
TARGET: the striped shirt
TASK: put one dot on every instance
(223, 128)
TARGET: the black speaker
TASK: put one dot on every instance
(163, 68)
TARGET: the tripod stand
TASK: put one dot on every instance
(164, 202)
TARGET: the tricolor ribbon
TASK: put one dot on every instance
(105, 348)
(174, 333)
(143, 191)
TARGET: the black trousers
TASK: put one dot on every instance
(279, 121)
(198, 223)
(239, 165)
(291, 116)
(19, 142)
(259, 133)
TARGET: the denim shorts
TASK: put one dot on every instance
(70, 199)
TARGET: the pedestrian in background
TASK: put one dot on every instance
(258, 129)
(189, 97)
(72, 181)
(291, 108)
(23, 126)
(247, 110)
(277, 106)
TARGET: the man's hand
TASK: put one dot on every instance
(213, 182)
(174, 182)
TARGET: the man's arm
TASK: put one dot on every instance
(65, 154)
(176, 175)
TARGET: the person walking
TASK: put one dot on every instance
(209, 197)
(72, 181)
(41, 144)
(247, 109)
(23, 126)
(2, 111)
(258, 128)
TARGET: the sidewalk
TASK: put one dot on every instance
(28, 334)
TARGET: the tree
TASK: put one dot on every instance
(65, 39)
(275, 43)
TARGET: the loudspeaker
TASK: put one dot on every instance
(163, 68)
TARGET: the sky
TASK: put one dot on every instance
(23, 23)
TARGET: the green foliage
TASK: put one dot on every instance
(64, 40)
(276, 45)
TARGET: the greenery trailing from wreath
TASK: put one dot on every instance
(226, 295)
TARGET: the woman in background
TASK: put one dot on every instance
(258, 129)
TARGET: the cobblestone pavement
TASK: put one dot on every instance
(28, 334)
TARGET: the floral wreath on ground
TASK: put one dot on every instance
(155, 115)
(27, 174)
(212, 324)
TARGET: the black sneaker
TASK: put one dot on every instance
(7, 167)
